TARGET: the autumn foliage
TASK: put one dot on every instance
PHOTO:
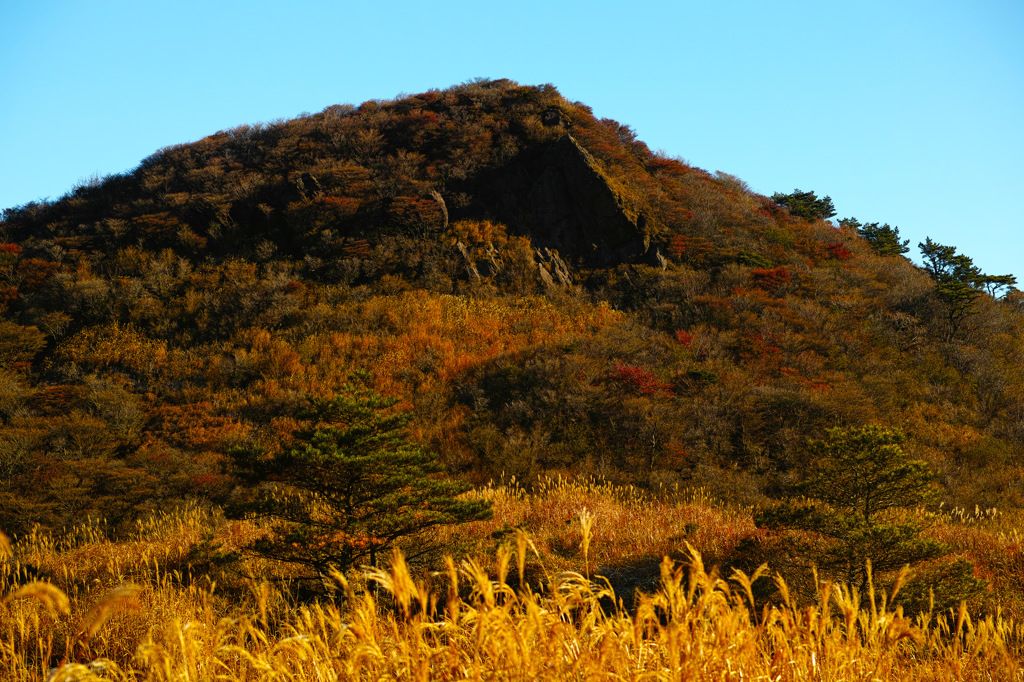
(191, 307)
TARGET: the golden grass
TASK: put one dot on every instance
(624, 524)
(125, 611)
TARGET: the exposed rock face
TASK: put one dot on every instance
(561, 199)
(552, 269)
(436, 196)
(555, 116)
(308, 186)
(468, 262)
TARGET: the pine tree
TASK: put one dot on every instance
(884, 240)
(958, 281)
(806, 205)
(350, 486)
(854, 508)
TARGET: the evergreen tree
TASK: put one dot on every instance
(854, 508)
(350, 486)
(806, 205)
(958, 281)
(884, 240)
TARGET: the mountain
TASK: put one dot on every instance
(544, 292)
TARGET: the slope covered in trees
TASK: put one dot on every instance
(544, 293)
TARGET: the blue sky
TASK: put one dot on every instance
(910, 113)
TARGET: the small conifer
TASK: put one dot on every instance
(350, 486)
(856, 506)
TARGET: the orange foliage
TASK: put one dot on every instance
(476, 232)
(691, 250)
(35, 272)
(770, 279)
(192, 426)
(416, 212)
(157, 224)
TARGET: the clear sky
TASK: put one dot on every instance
(907, 112)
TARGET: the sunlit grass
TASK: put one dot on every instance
(528, 602)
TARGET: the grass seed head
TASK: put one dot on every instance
(52, 597)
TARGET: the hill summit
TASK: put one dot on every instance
(544, 292)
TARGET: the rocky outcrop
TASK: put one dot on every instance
(552, 269)
(468, 262)
(560, 198)
(436, 196)
(307, 186)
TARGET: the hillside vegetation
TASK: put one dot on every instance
(548, 300)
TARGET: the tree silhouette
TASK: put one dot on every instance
(884, 240)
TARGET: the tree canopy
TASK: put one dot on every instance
(855, 505)
(958, 281)
(806, 205)
(884, 240)
(350, 485)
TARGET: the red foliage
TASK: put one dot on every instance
(35, 271)
(692, 250)
(839, 251)
(10, 248)
(639, 379)
(661, 164)
(772, 210)
(770, 279)
(684, 337)
(677, 247)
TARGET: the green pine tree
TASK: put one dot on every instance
(350, 486)
(855, 506)
(806, 205)
(958, 281)
(884, 240)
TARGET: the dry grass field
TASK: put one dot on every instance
(525, 600)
